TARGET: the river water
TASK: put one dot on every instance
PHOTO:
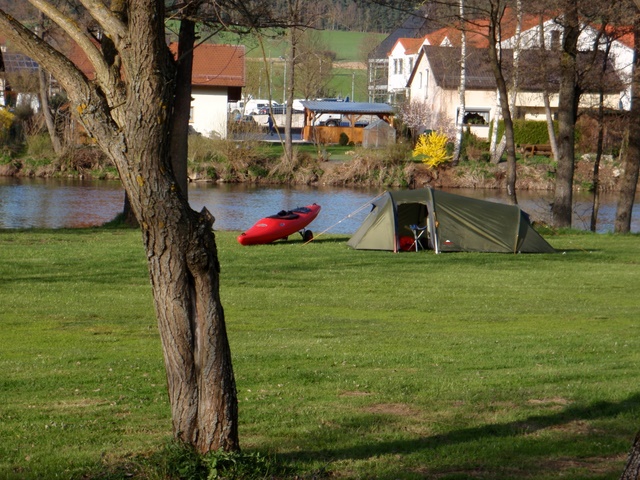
(52, 203)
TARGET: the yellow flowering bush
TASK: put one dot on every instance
(6, 119)
(433, 148)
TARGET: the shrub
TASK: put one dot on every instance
(6, 123)
(344, 139)
(6, 119)
(433, 148)
(529, 131)
(40, 145)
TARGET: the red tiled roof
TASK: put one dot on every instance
(478, 30)
(213, 65)
(411, 45)
(217, 65)
(623, 34)
(476, 36)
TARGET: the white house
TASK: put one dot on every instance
(402, 59)
(618, 40)
(435, 81)
(217, 79)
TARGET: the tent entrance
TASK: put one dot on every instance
(410, 216)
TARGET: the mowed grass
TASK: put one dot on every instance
(350, 364)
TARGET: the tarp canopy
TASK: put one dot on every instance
(451, 223)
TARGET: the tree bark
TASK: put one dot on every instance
(632, 469)
(182, 105)
(128, 109)
(631, 165)
(567, 113)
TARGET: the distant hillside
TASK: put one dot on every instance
(348, 46)
(352, 15)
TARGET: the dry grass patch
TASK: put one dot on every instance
(400, 409)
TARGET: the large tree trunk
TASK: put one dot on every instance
(181, 253)
(631, 166)
(567, 112)
(128, 109)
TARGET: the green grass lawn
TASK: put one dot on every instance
(350, 364)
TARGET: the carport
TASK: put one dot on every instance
(351, 113)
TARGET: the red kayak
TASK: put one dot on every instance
(281, 225)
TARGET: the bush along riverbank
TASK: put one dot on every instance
(252, 161)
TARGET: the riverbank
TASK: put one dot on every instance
(224, 162)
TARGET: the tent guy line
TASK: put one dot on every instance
(356, 211)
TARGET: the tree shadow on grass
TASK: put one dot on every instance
(536, 455)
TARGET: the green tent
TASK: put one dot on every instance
(445, 222)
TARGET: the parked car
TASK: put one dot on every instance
(244, 119)
(276, 110)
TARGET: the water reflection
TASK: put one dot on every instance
(54, 203)
(237, 207)
(39, 203)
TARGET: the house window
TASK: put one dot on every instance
(555, 39)
(190, 114)
(475, 116)
(397, 66)
(420, 80)
(426, 82)
(410, 65)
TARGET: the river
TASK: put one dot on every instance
(54, 203)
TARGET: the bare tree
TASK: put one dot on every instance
(631, 166)
(56, 142)
(314, 65)
(567, 114)
(457, 146)
(496, 13)
(546, 93)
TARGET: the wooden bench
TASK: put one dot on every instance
(529, 150)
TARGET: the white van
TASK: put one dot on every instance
(250, 107)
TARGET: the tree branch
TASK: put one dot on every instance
(113, 27)
(69, 76)
(84, 42)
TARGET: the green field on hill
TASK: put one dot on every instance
(349, 364)
(348, 46)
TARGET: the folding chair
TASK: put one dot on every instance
(418, 232)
